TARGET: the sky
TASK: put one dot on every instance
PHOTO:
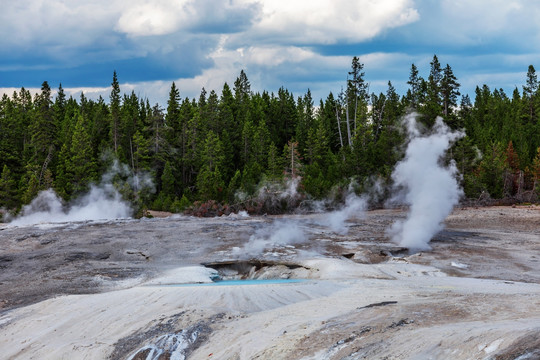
(295, 44)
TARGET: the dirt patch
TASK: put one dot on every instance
(159, 214)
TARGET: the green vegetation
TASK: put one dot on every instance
(216, 146)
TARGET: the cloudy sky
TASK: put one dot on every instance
(297, 44)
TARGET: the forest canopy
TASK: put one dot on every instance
(222, 146)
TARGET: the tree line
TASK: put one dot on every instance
(219, 146)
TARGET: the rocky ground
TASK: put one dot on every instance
(142, 289)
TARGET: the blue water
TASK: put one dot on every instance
(241, 282)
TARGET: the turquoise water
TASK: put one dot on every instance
(241, 282)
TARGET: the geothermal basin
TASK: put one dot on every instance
(227, 288)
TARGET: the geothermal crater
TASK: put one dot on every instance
(138, 289)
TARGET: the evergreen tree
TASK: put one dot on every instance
(100, 129)
(356, 101)
(141, 153)
(29, 185)
(491, 171)
(433, 104)
(82, 164)
(467, 157)
(64, 176)
(130, 124)
(43, 131)
(415, 85)
(242, 89)
(274, 167)
(381, 154)
(242, 96)
(173, 108)
(168, 186)
(531, 86)
(211, 113)
(230, 136)
(530, 93)
(261, 141)
(12, 135)
(282, 122)
(292, 159)
(305, 121)
(9, 198)
(329, 113)
(234, 185)
(156, 133)
(248, 134)
(449, 90)
(59, 106)
(115, 113)
(185, 142)
(210, 183)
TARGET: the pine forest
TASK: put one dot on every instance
(214, 154)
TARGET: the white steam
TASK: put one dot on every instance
(279, 234)
(136, 180)
(429, 188)
(100, 203)
(354, 206)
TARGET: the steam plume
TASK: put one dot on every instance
(354, 206)
(101, 202)
(429, 188)
(280, 233)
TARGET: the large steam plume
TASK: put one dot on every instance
(101, 202)
(425, 184)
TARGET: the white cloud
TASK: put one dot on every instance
(53, 22)
(81, 22)
(277, 42)
(272, 56)
(327, 21)
(161, 17)
(152, 18)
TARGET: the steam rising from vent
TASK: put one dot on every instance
(279, 195)
(101, 202)
(354, 206)
(280, 233)
(429, 188)
(137, 181)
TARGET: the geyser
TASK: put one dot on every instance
(354, 206)
(100, 203)
(429, 188)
